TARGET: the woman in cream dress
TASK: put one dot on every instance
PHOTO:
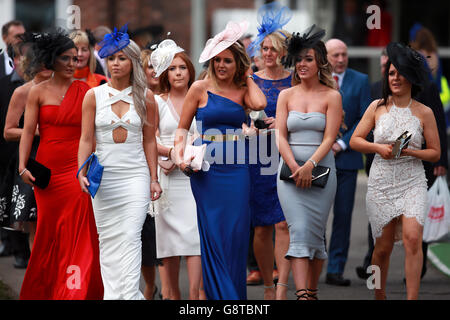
(176, 219)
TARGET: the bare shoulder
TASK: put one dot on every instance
(286, 93)
(332, 94)
(373, 106)
(200, 85)
(421, 109)
(90, 94)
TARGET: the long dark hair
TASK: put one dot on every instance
(415, 89)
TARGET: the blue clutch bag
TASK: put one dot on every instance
(94, 173)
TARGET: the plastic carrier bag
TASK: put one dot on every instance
(437, 220)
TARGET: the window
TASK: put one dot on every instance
(36, 15)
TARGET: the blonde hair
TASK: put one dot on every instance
(137, 79)
(278, 39)
(81, 37)
(145, 57)
(242, 60)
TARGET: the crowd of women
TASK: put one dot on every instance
(158, 202)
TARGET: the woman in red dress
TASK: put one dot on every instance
(64, 263)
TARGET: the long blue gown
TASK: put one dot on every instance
(222, 197)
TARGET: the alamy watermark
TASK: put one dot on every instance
(374, 281)
(374, 21)
(74, 280)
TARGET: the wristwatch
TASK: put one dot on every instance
(188, 171)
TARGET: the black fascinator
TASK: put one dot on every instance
(299, 42)
(91, 37)
(47, 46)
(408, 62)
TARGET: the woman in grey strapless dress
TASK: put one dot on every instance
(308, 119)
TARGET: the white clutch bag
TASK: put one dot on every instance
(198, 152)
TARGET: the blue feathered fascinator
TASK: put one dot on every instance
(114, 42)
(271, 17)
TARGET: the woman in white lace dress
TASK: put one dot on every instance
(397, 189)
(176, 222)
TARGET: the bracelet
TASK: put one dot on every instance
(251, 77)
(170, 150)
(313, 162)
(23, 171)
(154, 181)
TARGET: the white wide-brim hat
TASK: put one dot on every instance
(232, 33)
(163, 56)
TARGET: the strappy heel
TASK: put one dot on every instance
(313, 294)
(303, 296)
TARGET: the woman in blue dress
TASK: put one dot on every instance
(220, 103)
(265, 209)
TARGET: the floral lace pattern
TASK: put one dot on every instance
(398, 186)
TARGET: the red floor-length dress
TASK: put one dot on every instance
(64, 262)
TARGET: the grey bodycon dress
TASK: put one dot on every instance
(307, 210)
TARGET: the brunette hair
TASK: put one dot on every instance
(243, 62)
(415, 89)
(164, 84)
(325, 69)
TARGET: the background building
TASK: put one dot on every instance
(192, 22)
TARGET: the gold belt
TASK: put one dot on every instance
(222, 137)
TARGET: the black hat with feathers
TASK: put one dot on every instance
(408, 62)
(47, 46)
(297, 42)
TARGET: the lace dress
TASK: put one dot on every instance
(397, 186)
(265, 207)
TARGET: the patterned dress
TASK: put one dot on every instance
(397, 186)
(264, 204)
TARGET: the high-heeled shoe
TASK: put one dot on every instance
(312, 295)
(303, 296)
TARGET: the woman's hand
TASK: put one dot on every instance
(249, 72)
(440, 171)
(407, 152)
(84, 183)
(271, 122)
(155, 190)
(303, 175)
(183, 165)
(385, 151)
(28, 178)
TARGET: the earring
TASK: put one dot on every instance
(318, 74)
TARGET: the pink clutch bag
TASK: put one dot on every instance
(198, 152)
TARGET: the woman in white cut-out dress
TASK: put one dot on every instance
(176, 222)
(118, 119)
(397, 189)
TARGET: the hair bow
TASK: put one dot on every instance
(271, 17)
(114, 42)
(232, 33)
(163, 55)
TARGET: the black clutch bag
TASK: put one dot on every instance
(260, 124)
(319, 179)
(40, 172)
